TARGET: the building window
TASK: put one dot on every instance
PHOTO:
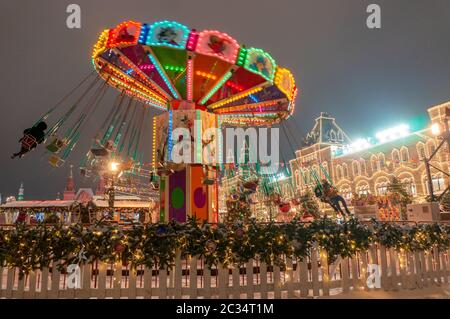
(438, 183)
(374, 162)
(356, 168)
(362, 189)
(381, 189)
(339, 171)
(420, 150)
(381, 161)
(345, 168)
(431, 147)
(363, 166)
(332, 135)
(404, 154)
(346, 192)
(395, 155)
(410, 186)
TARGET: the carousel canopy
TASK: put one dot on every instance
(169, 66)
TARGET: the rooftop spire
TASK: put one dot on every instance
(69, 191)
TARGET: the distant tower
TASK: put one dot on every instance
(21, 192)
(69, 191)
(58, 196)
(100, 190)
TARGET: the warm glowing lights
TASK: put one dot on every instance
(154, 143)
(285, 82)
(100, 46)
(260, 106)
(206, 75)
(169, 136)
(126, 33)
(436, 129)
(189, 78)
(217, 44)
(192, 41)
(216, 87)
(114, 166)
(236, 97)
(235, 86)
(393, 133)
(145, 78)
(135, 75)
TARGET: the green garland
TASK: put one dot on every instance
(152, 245)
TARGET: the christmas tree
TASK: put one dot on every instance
(238, 208)
(309, 206)
(399, 196)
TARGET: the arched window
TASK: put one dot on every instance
(297, 178)
(374, 163)
(381, 160)
(420, 150)
(332, 135)
(395, 155)
(345, 169)
(339, 172)
(356, 167)
(362, 188)
(438, 182)
(410, 185)
(431, 146)
(340, 136)
(346, 192)
(381, 186)
(404, 154)
(363, 166)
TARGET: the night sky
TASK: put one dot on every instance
(367, 79)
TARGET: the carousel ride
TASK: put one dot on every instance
(197, 82)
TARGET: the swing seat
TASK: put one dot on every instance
(56, 161)
(99, 152)
(29, 142)
(208, 181)
(56, 145)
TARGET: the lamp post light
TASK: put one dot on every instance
(444, 134)
(113, 168)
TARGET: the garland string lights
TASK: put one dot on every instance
(29, 249)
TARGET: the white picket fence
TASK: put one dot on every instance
(189, 278)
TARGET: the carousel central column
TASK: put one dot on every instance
(186, 159)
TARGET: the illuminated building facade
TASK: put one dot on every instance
(367, 166)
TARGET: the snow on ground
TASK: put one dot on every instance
(432, 292)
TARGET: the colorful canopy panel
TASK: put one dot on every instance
(169, 66)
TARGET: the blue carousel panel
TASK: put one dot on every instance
(168, 34)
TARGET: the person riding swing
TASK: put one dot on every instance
(31, 138)
(328, 194)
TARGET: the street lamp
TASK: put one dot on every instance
(114, 168)
(444, 134)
